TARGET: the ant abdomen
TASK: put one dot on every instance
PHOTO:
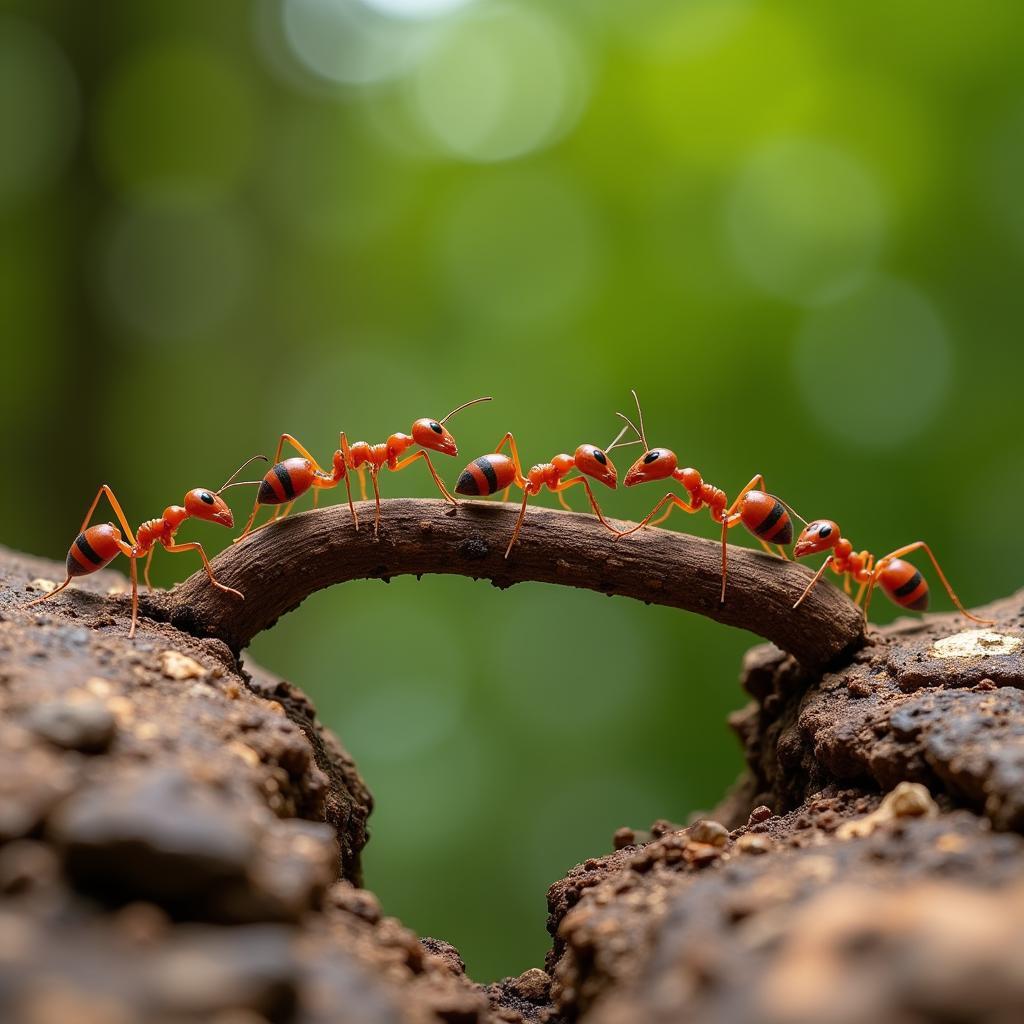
(286, 481)
(766, 517)
(904, 585)
(93, 549)
(486, 475)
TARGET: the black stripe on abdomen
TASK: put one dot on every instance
(484, 463)
(284, 476)
(906, 589)
(83, 545)
(769, 521)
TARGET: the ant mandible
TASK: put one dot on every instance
(96, 546)
(902, 582)
(766, 517)
(496, 472)
(287, 481)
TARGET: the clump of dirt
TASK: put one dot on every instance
(180, 841)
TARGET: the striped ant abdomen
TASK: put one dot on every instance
(286, 481)
(904, 585)
(486, 475)
(93, 548)
(766, 517)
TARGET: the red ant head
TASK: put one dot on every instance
(208, 505)
(434, 435)
(656, 464)
(594, 462)
(820, 535)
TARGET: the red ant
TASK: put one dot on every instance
(96, 546)
(495, 472)
(289, 480)
(286, 482)
(902, 582)
(764, 515)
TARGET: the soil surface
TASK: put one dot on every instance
(180, 841)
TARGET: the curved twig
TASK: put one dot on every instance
(278, 567)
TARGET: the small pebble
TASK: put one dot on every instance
(711, 832)
(86, 726)
(753, 842)
(176, 665)
(759, 814)
(623, 837)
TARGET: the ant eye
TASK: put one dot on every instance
(207, 497)
(600, 456)
(824, 531)
(435, 427)
(652, 456)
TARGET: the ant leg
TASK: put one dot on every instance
(48, 594)
(145, 571)
(730, 518)
(514, 452)
(194, 545)
(505, 493)
(919, 545)
(814, 582)
(362, 483)
(298, 447)
(846, 584)
(135, 595)
(346, 461)
(562, 501)
(566, 484)
(519, 522)
(672, 500)
(421, 454)
(116, 505)
(376, 495)
(782, 553)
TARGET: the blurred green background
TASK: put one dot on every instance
(796, 228)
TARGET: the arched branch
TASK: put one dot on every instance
(278, 567)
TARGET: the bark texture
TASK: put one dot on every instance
(278, 567)
(180, 840)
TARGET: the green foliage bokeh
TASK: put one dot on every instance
(797, 228)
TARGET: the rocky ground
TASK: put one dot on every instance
(180, 841)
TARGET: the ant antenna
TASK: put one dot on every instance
(465, 405)
(618, 438)
(623, 416)
(794, 512)
(230, 482)
(640, 417)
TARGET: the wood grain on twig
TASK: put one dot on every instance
(277, 567)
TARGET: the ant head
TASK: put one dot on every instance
(820, 535)
(656, 464)
(434, 435)
(208, 505)
(594, 462)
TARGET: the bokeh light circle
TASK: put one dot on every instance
(38, 110)
(170, 272)
(521, 248)
(805, 221)
(416, 8)
(346, 42)
(177, 117)
(875, 367)
(506, 82)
